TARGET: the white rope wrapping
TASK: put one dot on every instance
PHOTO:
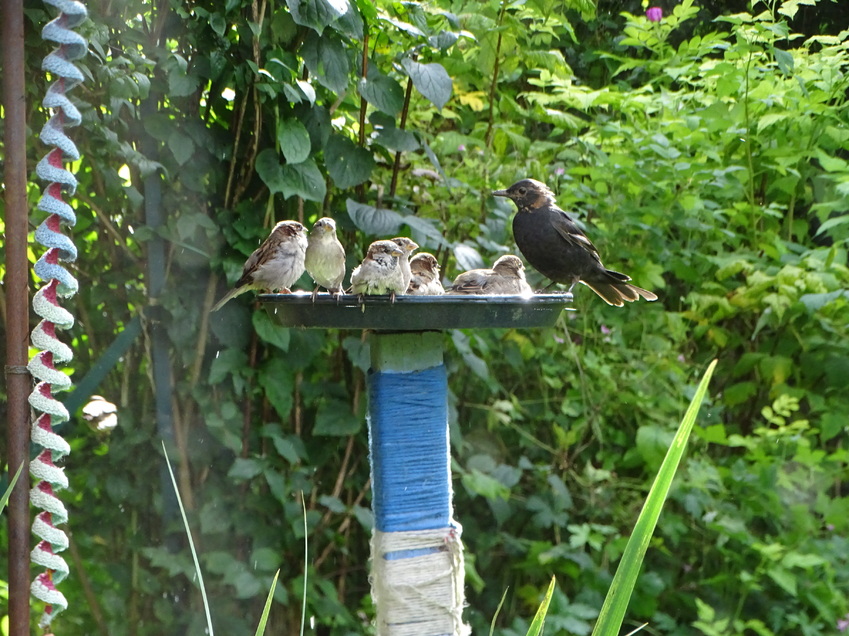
(48, 476)
(420, 594)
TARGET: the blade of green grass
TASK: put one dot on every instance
(616, 602)
(5, 498)
(497, 612)
(306, 564)
(191, 542)
(539, 620)
(260, 629)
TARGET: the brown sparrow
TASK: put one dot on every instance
(380, 271)
(409, 247)
(325, 257)
(507, 277)
(274, 265)
(425, 281)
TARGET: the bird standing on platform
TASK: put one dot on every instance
(274, 265)
(424, 272)
(325, 257)
(380, 272)
(559, 249)
(507, 277)
(409, 246)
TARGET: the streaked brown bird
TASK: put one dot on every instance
(409, 246)
(559, 249)
(325, 257)
(274, 265)
(424, 281)
(380, 272)
(507, 277)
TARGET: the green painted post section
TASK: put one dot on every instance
(405, 352)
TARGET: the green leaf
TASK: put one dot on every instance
(391, 137)
(374, 221)
(833, 222)
(484, 485)
(327, 59)
(539, 619)
(244, 469)
(652, 442)
(317, 14)
(269, 170)
(269, 331)
(304, 180)
(226, 362)
(784, 579)
(334, 418)
(277, 380)
(347, 164)
(294, 140)
(382, 92)
(616, 602)
(431, 80)
(784, 59)
(8, 493)
(266, 610)
(181, 146)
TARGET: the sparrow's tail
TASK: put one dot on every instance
(615, 289)
(230, 295)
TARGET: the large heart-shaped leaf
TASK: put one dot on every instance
(374, 221)
(431, 80)
(347, 163)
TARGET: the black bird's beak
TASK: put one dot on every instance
(500, 193)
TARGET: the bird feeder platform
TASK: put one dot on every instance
(416, 549)
(415, 313)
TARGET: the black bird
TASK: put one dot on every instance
(558, 249)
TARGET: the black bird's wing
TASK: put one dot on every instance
(571, 233)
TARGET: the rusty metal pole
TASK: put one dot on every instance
(17, 310)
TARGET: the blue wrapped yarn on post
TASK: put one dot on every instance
(417, 575)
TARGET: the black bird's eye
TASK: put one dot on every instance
(523, 190)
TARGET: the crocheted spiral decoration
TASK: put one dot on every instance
(48, 477)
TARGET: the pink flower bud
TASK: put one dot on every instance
(654, 14)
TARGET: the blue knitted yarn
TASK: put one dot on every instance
(408, 439)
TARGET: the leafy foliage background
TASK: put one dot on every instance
(706, 155)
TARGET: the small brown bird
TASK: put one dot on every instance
(409, 246)
(325, 257)
(507, 277)
(101, 414)
(274, 265)
(380, 272)
(559, 249)
(424, 281)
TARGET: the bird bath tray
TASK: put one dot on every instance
(415, 313)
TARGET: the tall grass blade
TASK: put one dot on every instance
(497, 612)
(306, 565)
(191, 542)
(260, 629)
(539, 620)
(5, 498)
(616, 602)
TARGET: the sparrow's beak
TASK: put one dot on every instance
(500, 193)
(398, 252)
(328, 228)
(412, 247)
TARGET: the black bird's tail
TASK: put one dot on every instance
(614, 289)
